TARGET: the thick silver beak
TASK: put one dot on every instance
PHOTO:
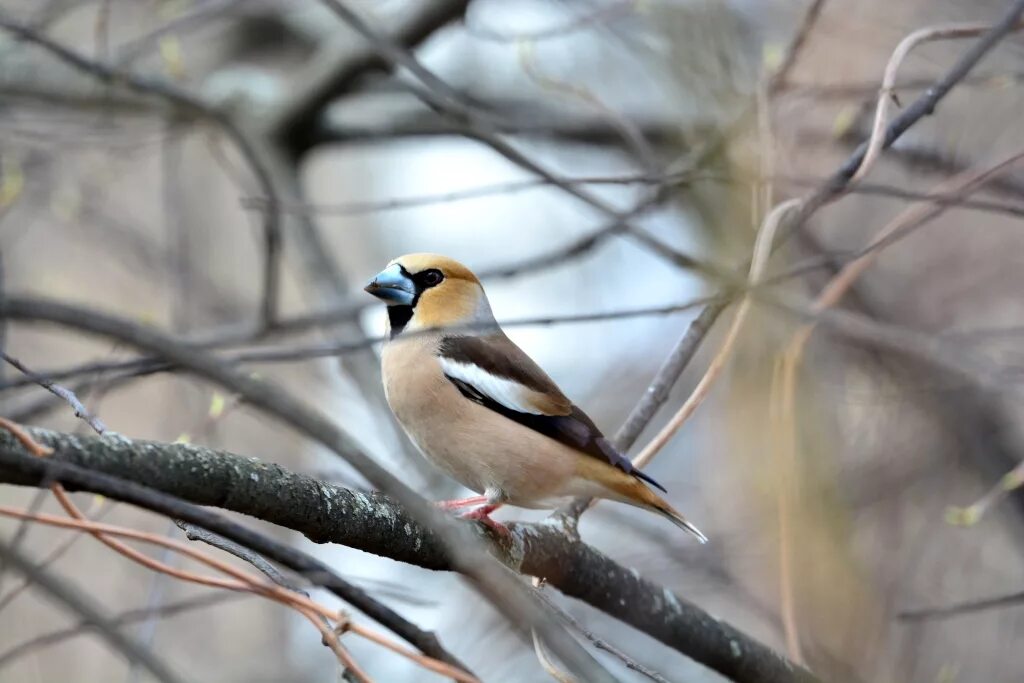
(392, 286)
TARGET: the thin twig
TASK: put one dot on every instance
(887, 94)
(303, 604)
(825, 193)
(61, 392)
(190, 104)
(762, 250)
(599, 643)
(105, 533)
(90, 613)
(302, 352)
(197, 533)
(356, 208)
(921, 107)
(448, 101)
(53, 556)
(784, 381)
(810, 20)
(123, 619)
(961, 608)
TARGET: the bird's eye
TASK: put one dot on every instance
(432, 277)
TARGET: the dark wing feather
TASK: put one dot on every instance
(555, 416)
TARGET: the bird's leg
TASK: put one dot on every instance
(461, 502)
(483, 514)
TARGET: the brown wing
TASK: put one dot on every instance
(492, 371)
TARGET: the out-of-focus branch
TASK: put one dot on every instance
(81, 605)
(668, 374)
(123, 619)
(599, 643)
(421, 121)
(887, 91)
(826, 192)
(61, 392)
(298, 352)
(376, 524)
(918, 109)
(779, 80)
(335, 71)
(961, 608)
(590, 19)
(249, 147)
(472, 124)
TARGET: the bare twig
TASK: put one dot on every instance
(762, 250)
(356, 208)
(91, 614)
(201, 16)
(491, 579)
(599, 643)
(887, 94)
(193, 105)
(973, 513)
(314, 508)
(294, 124)
(810, 20)
(921, 107)
(197, 533)
(62, 392)
(301, 352)
(449, 102)
(50, 558)
(123, 619)
(961, 608)
(826, 192)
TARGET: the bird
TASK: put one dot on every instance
(481, 410)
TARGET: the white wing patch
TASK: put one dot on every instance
(507, 392)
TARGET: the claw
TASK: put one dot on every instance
(483, 515)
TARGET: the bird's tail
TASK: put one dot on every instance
(670, 513)
(637, 493)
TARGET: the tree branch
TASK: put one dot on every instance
(332, 75)
(185, 102)
(515, 600)
(374, 523)
(923, 106)
(22, 468)
(91, 614)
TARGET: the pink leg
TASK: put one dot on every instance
(483, 514)
(461, 502)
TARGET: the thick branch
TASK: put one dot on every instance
(18, 466)
(491, 580)
(376, 524)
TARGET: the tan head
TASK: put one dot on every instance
(426, 291)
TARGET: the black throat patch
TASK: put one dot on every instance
(398, 317)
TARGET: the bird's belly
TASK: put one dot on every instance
(481, 449)
(488, 453)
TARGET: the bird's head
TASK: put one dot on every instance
(425, 291)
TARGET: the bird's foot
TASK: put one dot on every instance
(461, 502)
(483, 515)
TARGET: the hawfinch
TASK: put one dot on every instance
(480, 409)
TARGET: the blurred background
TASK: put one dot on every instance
(830, 517)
